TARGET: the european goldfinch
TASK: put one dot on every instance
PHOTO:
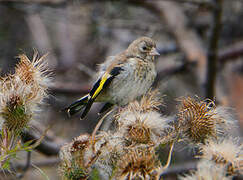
(122, 78)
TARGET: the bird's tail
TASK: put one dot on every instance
(77, 105)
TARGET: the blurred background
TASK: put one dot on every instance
(200, 42)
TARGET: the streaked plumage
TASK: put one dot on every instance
(122, 78)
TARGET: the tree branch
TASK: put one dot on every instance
(46, 147)
(231, 52)
(213, 50)
(181, 168)
(69, 88)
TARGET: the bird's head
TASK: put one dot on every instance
(144, 48)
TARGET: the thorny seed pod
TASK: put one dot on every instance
(139, 122)
(34, 73)
(22, 92)
(78, 157)
(72, 155)
(226, 152)
(138, 132)
(137, 163)
(34, 70)
(14, 114)
(199, 120)
(142, 127)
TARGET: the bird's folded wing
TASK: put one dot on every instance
(104, 81)
(100, 85)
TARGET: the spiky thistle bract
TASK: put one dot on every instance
(21, 94)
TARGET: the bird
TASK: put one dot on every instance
(121, 78)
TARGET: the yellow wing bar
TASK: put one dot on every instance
(99, 85)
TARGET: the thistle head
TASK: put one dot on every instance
(140, 122)
(15, 107)
(137, 163)
(206, 170)
(145, 128)
(34, 73)
(196, 119)
(72, 158)
(78, 157)
(15, 114)
(22, 92)
(226, 152)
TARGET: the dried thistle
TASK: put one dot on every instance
(137, 163)
(72, 156)
(110, 153)
(129, 150)
(15, 114)
(149, 102)
(139, 132)
(226, 152)
(197, 119)
(139, 122)
(34, 70)
(78, 157)
(34, 73)
(206, 170)
(146, 128)
(22, 92)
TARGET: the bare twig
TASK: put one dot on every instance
(50, 162)
(70, 88)
(169, 158)
(87, 70)
(181, 168)
(26, 166)
(213, 50)
(42, 163)
(46, 147)
(231, 52)
(28, 160)
(206, 3)
(97, 128)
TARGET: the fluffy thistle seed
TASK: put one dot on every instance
(139, 127)
(149, 102)
(197, 119)
(206, 170)
(78, 157)
(226, 153)
(140, 121)
(73, 161)
(22, 92)
(80, 143)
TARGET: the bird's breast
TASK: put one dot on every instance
(134, 81)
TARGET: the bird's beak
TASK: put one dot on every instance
(154, 52)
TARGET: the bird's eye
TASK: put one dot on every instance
(144, 48)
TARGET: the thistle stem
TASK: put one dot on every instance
(97, 128)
